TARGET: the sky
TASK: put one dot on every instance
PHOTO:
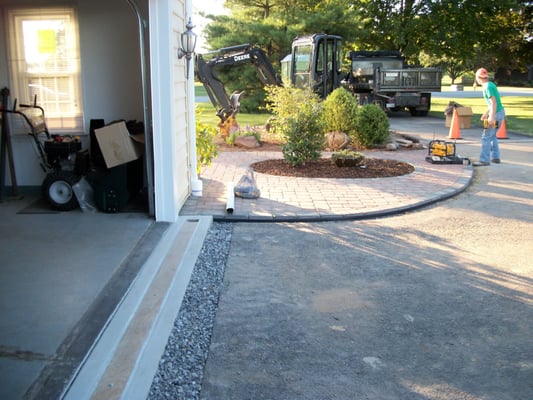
(210, 7)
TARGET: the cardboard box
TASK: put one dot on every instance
(117, 145)
(465, 117)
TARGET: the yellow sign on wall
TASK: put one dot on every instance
(46, 41)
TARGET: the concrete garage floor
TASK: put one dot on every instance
(54, 267)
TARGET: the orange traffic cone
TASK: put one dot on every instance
(455, 126)
(502, 132)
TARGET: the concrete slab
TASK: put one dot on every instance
(54, 267)
(124, 359)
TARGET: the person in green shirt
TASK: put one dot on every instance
(492, 119)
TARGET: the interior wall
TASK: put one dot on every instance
(111, 70)
(3, 51)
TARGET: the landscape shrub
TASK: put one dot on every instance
(232, 137)
(298, 121)
(340, 112)
(348, 157)
(372, 126)
(206, 148)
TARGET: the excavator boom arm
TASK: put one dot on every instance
(228, 106)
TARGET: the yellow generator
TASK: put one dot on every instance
(443, 152)
(441, 148)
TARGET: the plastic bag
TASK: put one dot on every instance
(247, 188)
(85, 195)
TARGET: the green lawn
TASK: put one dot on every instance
(519, 110)
(199, 89)
(207, 113)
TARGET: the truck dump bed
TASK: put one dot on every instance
(385, 71)
(408, 80)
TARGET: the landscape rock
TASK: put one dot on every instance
(248, 142)
(410, 137)
(337, 140)
(392, 146)
(404, 142)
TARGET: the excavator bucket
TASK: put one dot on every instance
(228, 126)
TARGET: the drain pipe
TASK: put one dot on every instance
(142, 24)
(230, 198)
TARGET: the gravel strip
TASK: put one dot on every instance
(180, 371)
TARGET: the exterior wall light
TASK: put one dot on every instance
(188, 43)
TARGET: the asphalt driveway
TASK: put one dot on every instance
(433, 304)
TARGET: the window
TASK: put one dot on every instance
(302, 61)
(44, 61)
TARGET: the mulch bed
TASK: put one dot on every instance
(325, 168)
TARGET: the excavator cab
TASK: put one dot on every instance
(315, 62)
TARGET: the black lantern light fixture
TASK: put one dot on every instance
(188, 43)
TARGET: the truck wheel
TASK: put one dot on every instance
(57, 190)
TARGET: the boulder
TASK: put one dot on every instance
(337, 140)
(404, 142)
(248, 142)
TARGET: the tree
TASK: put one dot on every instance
(393, 25)
(266, 34)
(298, 120)
(457, 35)
(514, 51)
(475, 31)
(454, 67)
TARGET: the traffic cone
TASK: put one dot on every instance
(502, 132)
(455, 126)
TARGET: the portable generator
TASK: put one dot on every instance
(443, 152)
(441, 148)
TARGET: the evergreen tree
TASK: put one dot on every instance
(458, 35)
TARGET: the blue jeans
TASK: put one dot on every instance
(489, 142)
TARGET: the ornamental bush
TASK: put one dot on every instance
(372, 126)
(348, 158)
(298, 121)
(206, 148)
(340, 112)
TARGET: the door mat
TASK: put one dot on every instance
(39, 206)
(137, 204)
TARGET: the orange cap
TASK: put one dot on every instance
(482, 73)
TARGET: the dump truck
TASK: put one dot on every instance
(383, 78)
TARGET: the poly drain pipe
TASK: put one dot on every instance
(230, 195)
